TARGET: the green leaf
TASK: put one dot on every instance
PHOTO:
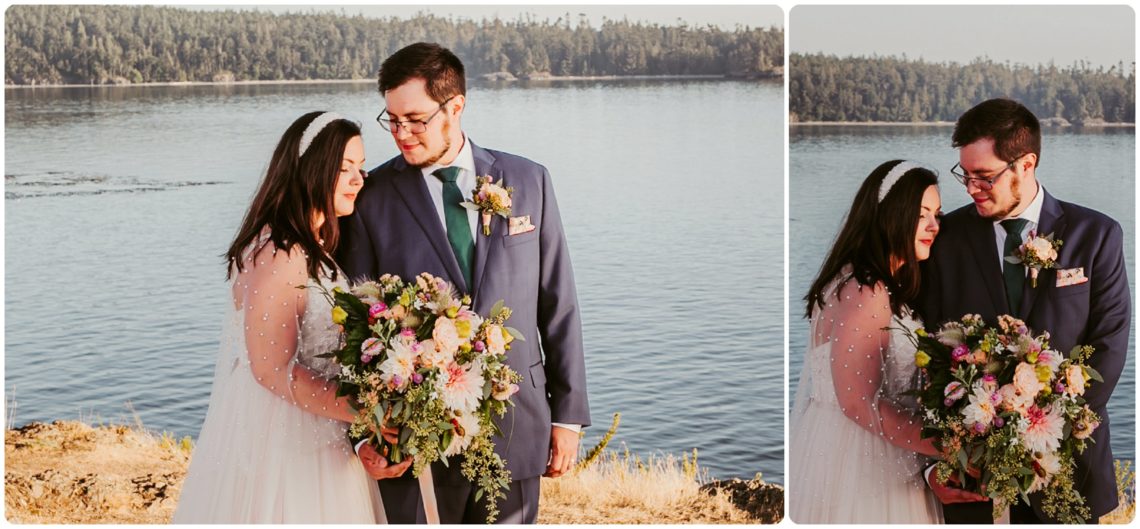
(478, 495)
(405, 434)
(962, 459)
(397, 408)
(470, 205)
(1093, 374)
(497, 308)
(515, 333)
(1075, 353)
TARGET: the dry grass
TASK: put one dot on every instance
(72, 472)
(623, 489)
(1126, 493)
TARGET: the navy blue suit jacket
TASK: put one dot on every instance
(963, 276)
(396, 230)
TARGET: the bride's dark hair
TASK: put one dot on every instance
(873, 233)
(294, 190)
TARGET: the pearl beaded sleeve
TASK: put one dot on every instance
(273, 307)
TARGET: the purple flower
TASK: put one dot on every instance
(1058, 388)
(1021, 329)
(989, 379)
(959, 352)
(417, 378)
(364, 359)
(999, 422)
(979, 428)
(948, 402)
(408, 333)
(376, 309)
(479, 346)
(397, 380)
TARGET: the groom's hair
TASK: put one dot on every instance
(1014, 129)
(440, 69)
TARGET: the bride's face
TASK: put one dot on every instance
(351, 177)
(930, 215)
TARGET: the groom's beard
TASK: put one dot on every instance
(446, 147)
(1015, 191)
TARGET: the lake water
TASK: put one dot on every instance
(119, 202)
(828, 163)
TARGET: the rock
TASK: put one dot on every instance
(762, 500)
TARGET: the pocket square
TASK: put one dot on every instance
(519, 225)
(1071, 276)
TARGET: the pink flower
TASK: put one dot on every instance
(462, 386)
(1026, 382)
(954, 391)
(959, 353)
(446, 336)
(376, 309)
(1042, 429)
(1075, 380)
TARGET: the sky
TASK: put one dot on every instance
(1100, 35)
(723, 16)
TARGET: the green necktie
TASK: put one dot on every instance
(458, 227)
(1014, 274)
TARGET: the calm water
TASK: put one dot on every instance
(119, 202)
(1094, 169)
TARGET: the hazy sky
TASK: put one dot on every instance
(724, 16)
(1101, 35)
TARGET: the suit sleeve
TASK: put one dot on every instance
(559, 320)
(1110, 314)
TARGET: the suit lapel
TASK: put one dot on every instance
(413, 191)
(1052, 220)
(484, 165)
(983, 244)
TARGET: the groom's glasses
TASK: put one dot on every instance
(413, 126)
(984, 184)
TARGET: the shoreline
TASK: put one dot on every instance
(936, 124)
(373, 81)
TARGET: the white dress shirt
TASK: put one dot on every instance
(465, 161)
(1031, 214)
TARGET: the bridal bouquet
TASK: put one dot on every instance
(417, 357)
(1007, 411)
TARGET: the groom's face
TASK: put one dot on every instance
(410, 101)
(1004, 197)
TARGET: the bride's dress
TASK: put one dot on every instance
(263, 455)
(851, 423)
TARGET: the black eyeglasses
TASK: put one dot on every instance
(984, 184)
(413, 126)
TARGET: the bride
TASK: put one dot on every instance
(856, 450)
(273, 447)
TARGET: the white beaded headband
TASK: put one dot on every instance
(315, 127)
(894, 175)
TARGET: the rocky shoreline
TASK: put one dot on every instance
(69, 472)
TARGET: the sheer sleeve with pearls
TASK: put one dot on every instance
(272, 293)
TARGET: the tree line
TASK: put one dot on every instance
(84, 44)
(853, 89)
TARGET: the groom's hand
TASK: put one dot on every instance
(948, 492)
(563, 451)
(377, 465)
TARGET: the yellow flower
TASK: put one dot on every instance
(463, 327)
(339, 316)
(921, 359)
(921, 332)
(1044, 374)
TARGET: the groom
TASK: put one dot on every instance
(408, 221)
(1083, 300)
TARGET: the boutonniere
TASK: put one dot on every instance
(1036, 253)
(489, 198)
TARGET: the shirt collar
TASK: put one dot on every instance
(1031, 213)
(464, 160)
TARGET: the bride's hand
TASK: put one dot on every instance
(378, 467)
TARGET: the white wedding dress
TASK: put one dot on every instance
(265, 454)
(851, 425)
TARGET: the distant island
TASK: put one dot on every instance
(122, 45)
(826, 88)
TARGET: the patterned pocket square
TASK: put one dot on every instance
(1067, 277)
(519, 225)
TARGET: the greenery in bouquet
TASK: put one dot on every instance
(1006, 411)
(416, 357)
